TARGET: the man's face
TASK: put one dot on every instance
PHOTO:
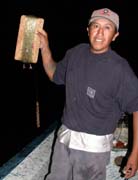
(101, 33)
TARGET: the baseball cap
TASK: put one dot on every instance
(105, 13)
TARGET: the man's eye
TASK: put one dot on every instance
(95, 26)
(107, 27)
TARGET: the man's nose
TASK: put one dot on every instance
(100, 31)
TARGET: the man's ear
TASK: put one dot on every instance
(87, 31)
(115, 36)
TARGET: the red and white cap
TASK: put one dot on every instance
(105, 13)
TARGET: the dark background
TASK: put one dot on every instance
(65, 22)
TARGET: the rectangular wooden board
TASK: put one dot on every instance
(27, 45)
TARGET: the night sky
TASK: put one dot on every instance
(65, 22)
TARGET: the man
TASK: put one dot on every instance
(100, 85)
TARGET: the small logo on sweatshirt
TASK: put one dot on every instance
(91, 92)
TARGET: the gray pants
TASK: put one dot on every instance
(70, 164)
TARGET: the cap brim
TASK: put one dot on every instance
(99, 17)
